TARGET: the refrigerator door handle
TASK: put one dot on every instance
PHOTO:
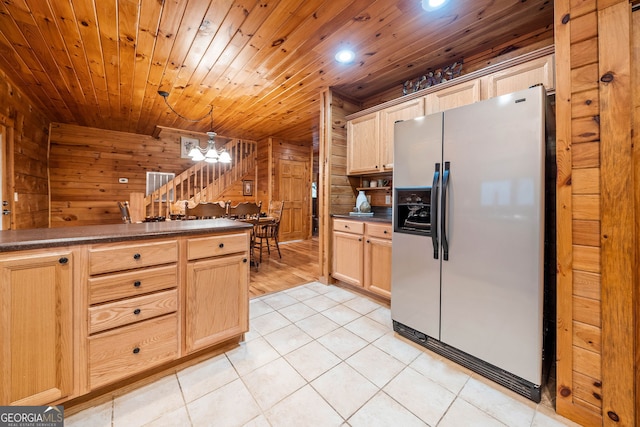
(443, 222)
(434, 210)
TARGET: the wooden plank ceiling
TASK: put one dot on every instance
(261, 64)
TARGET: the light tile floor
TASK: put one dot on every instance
(320, 355)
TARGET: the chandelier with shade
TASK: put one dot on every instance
(210, 153)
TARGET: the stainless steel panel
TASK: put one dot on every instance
(418, 145)
(492, 284)
(415, 275)
(416, 284)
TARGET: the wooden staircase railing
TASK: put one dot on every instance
(203, 181)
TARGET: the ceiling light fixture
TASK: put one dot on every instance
(209, 154)
(345, 56)
(430, 5)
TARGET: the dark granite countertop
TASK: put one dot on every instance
(15, 240)
(374, 218)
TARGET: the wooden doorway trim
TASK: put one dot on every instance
(6, 168)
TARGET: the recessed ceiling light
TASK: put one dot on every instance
(430, 5)
(345, 56)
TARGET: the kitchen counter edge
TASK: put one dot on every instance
(37, 238)
(374, 218)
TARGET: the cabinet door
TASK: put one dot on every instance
(454, 96)
(377, 266)
(522, 76)
(36, 331)
(405, 111)
(348, 257)
(363, 149)
(217, 301)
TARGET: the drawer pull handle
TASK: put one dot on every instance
(221, 245)
(359, 239)
(136, 311)
(137, 283)
(346, 226)
(136, 256)
(136, 350)
(244, 260)
(385, 231)
(368, 241)
(63, 260)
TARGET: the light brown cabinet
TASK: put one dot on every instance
(217, 290)
(522, 76)
(132, 315)
(348, 251)
(363, 145)
(370, 136)
(362, 255)
(453, 96)
(36, 330)
(388, 117)
(377, 259)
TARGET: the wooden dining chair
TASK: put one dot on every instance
(266, 234)
(206, 210)
(124, 212)
(245, 210)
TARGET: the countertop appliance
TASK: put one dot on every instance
(471, 285)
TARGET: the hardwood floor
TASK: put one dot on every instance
(299, 265)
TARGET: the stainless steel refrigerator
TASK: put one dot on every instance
(469, 236)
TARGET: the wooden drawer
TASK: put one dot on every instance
(132, 283)
(382, 231)
(123, 352)
(117, 257)
(348, 226)
(124, 312)
(206, 247)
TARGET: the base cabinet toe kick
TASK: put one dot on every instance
(87, 319)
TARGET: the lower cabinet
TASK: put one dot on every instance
(362, 255)
(122, 352)
(36, 330)
(216, 290)
(377, 259)
(217, 295)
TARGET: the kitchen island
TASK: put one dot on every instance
(89, 309)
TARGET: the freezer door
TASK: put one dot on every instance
(415, 274)
(492, 282)
(417, 147)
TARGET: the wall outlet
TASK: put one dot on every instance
(387, 199)
(123, 180)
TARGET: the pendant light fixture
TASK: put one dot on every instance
(209, 154)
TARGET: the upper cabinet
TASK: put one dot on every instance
(405, 111)
(522, 76)
(370, 136)
(454, 96)
(363, 144)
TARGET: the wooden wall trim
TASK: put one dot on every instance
(617, 214)
(635, 81)
(564, 297)
(324, 183)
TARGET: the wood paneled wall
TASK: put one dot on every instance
(518, 46)
(335, 192)
(86, 163)
(596, 230)
(26, 157)
(271, 152)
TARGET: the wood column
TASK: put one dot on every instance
(619, 272)
(597, 198)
